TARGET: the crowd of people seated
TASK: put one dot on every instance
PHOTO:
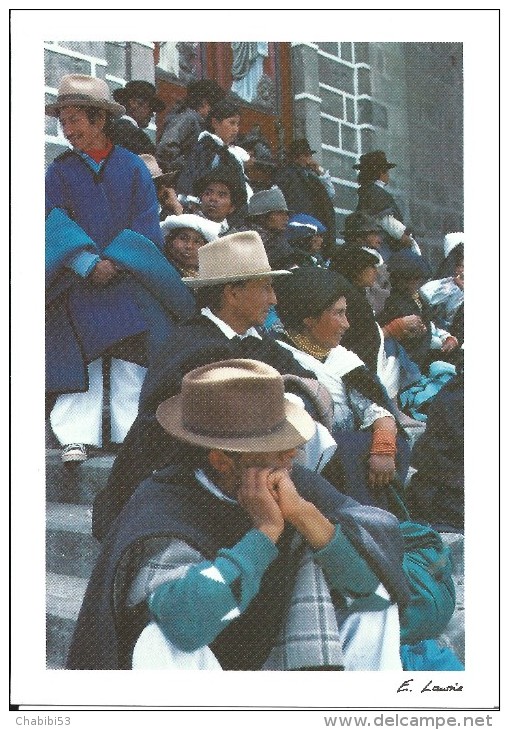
(258, 361)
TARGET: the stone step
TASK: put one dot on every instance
(70, 547)
(64, 595)
(76, 483)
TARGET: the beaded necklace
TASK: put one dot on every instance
(307, 345)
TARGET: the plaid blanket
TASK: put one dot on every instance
(309, 637)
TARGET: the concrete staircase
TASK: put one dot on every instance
(71, 550)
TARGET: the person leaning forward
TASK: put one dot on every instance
(234, 559)
(234, 290)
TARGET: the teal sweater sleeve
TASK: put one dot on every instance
(345, 570)
(191, 611)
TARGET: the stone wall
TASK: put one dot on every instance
(404, 98)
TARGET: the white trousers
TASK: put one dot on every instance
(370, 644)
(77, 417)
(371, 641)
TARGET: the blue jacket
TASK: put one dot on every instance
(110, 213)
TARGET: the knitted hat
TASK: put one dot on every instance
(302, 219)
(221, 175)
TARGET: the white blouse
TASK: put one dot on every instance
(351, 409)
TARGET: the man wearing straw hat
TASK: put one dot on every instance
(231, 558)
(234, 290)
(110, 290)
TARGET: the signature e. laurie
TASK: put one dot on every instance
(430, 687)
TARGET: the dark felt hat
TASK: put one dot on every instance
(351, 260)
(360, 222)
(375, 160)
(307, 292)
(221, 174)
(300, 147)
(141, 89)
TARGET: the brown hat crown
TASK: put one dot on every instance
(237, 405)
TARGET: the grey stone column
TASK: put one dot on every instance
(140, 62)
(306, 94)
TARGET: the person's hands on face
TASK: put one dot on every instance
(256, 496)
(381, 470)
(103, 272)
(284, 492)
(414, 326)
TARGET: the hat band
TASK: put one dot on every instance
(80, 97)
(224, 433)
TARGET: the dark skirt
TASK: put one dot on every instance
(348, 468)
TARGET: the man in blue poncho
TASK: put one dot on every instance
(109, 289)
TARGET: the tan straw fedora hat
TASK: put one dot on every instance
(235, 257)
(88, 91)
(236, 405)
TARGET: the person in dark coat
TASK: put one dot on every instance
(305, 190)
(375, 200)
(364, 231)
(185, 122)
(408, 272)
(267, 214)
(214, 147)
(141, 102)
(234, 290)
(436, 490)
(359, 266)
(313, 308)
